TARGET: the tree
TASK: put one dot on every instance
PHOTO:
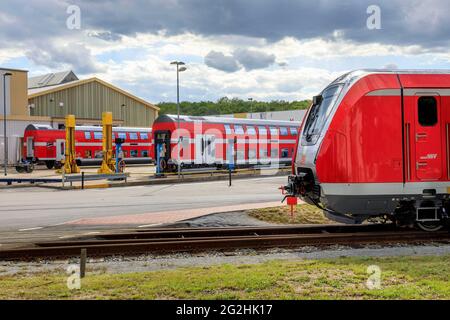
(226, 105)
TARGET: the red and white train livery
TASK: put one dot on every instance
(377, 143)
(214, 141)
(42, 143)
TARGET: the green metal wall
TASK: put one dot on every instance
(89, 100)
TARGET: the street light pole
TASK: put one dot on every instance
(5, 146)
(251, 107)
(178, 64)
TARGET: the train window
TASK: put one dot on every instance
(98, 135)
(133, 136)
(273, 131)
(228, 129)
(274, 153)
(319, 114)
(134, 153)
(122, 135)
(294, 131)
(251, 153)
(428, 113)
(144, 135)
(144, 153)
(240, 154)
(251, 130)
(262, 153)
(238, 129)
(262, 130)
(285, 153)
(98, 154)
(88, 154)
(283, 131)
(87, 135)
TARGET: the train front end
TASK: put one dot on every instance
(304, 182)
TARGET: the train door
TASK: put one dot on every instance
(30, 147)
(427, 138)
(209, 154)
(199, 149)
(162, 138)
(60, 150)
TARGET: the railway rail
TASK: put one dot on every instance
(158, 241)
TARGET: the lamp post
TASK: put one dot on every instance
(251, 107)
(179, 69)
(5, 151)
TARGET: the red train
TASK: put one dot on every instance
(376, 143)
(218, 142)
(44, 144)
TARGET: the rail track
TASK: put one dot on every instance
(202, 239)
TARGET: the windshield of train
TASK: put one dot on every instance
(319, 114)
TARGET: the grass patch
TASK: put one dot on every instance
(344, 278)
(303, 214)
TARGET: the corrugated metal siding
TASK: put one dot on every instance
(89, 100)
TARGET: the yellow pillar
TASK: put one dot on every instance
(108, 163)
(70, 164)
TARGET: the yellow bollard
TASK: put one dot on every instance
(108, 163)
(69, 162)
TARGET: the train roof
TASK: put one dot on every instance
(39, 127)
(87, 128)
(223, 120)
(127, 129)
(352, 76)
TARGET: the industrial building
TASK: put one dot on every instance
(47, 99)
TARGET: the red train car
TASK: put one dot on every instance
(376, 143)
(217, 142)
(47, 145)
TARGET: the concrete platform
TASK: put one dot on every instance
(39, 209)
(137, 175)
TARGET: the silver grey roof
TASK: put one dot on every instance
(39, 126)
(211, 119)
(51, 79)
(352, 76)
(115, 129)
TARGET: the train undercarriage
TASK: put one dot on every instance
(427, 211)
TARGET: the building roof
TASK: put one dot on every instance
(9, 69)
(51, 79)
(36, 92)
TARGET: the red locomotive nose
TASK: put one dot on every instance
(375, 143)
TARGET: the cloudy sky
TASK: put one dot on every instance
(263, 49)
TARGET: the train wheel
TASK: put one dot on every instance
(430, 226)
(50, 164)
(20, 169)
(29, 168)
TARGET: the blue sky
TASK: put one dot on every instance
(263, 49)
